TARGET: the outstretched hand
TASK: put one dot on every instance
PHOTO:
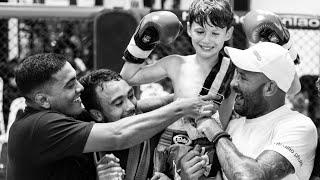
(197, 107)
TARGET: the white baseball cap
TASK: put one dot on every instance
(272, 60)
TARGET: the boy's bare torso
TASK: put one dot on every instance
(187, 77)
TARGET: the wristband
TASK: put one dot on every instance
(220, 135)
(128, 57)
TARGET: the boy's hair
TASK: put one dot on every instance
(37, 70)
(217, 11)
(92, 80)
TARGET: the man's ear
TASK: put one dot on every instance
(96, 115)
(270, 88)
(42, 100)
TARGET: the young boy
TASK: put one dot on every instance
(209, 27)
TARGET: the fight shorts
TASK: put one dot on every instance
(173, 145)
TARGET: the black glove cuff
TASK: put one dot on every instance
(220, 135)
(128, 57)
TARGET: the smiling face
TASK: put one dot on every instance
(249, 88)
(208, 40)
(116, 99)
(64, 91)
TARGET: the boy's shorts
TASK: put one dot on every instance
(173, 145)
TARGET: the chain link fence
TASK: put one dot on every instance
(28, 30)
(307, 43)
(305, 35)
(31, 30)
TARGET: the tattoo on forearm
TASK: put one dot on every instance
(269, 164)
(234, 164)
(275, 164)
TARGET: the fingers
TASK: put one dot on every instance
(197, 107)
(207, 97)
(208, 110)
(107, 158)
(111, 164)
(193, 169)
(192, 164)
(208, 107)
(110, 172)
(108, 176)
(196, 163)
(198, 173)
(214, 97)
(197, 148)
(191, 154)
(191, 158)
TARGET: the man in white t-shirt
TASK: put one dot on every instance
(270, 141)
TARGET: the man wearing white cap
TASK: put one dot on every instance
(270, 141)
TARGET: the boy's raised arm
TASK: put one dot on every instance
(154, 28)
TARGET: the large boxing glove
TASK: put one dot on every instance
(262, 25)
(154, 28)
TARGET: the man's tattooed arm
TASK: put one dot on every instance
(268, 165)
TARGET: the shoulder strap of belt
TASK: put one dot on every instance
(219, 77)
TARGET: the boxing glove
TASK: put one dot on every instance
(154, 28)
(262, 25)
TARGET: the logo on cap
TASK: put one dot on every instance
(255, 52)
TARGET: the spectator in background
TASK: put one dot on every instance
(148, 3)
(170, 4)
(10, 90)
(316, 169)
(307, 100)
(71, 47)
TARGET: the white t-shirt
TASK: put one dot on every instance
(287, 132)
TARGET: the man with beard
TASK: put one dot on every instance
(270, 141)
(46, 142)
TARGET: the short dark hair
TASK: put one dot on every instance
(217, 11)
(37, 70)
(92, 80)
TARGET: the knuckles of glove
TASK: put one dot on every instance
(260, 25)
